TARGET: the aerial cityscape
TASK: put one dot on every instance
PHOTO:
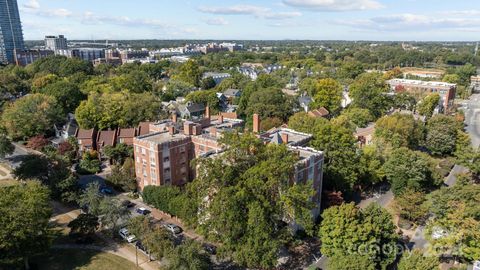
(287, 134)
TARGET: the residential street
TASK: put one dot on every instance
(472, 118)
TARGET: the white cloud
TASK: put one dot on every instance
(91, 18)
(334, 5)
(216, 21)
(234, 10)
(256, 11)
(281, 15)
(32, 4)
(59, 12)
(414, 22)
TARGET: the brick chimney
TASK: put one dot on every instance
(220, 118)
(285, 138)
(256, 123)
(187, 128)
(207, 112)
(171, 130)
(174, 117)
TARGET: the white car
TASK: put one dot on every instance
(126, 235)
(172, 228)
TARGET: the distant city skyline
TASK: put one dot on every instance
(422, 20)
(11, 37)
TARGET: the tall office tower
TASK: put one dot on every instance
(55, 43)
(11, 36)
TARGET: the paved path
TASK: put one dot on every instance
(451, 179)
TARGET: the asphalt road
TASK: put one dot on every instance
(472, 118)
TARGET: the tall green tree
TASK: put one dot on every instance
(341, 155)
(250, 193)
(427, 106)
(442, 134)
(188, 256)
(347, 230)
(6, 146)
(415, 260)
(368, 91)
(189, 73)
(66, 93)
(24, 215)
(30, 115)
(407, 169)
(328, 94)
(399, 130)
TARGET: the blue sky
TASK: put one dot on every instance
(261, 19)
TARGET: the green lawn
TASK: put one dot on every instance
(75, 259)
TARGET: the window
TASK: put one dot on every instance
(166, 159)
(137, 149)
(183, 170)
(138, 159)
(144, 172)
(79, 141)
(121, 140)
(144, 151)
(182, 149)
(167, 170)
(152, 160)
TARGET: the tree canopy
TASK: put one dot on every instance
(31, 115)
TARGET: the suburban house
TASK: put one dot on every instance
(106, 138)
(126, 135)
(67, 130)
(190, 110)
(365, 135)
(87, 139)
(232, 94)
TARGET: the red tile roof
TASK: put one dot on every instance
(85, 133)
(126, 133)
(320, 112)
(106, 137)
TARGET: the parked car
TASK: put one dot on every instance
(130, 238)
(128, 204)
(143, 211)
(172, 228)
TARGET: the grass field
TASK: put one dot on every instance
(75, 259)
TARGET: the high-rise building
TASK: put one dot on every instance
(55, 43)
(11, 36)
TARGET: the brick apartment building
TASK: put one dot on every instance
(163, 156)
(445, 90)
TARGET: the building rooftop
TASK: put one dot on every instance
(85, 133)
(295, 138)
(305, 152)
(106, 137)
(421, 83)
(126, 133)
(162, 137)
